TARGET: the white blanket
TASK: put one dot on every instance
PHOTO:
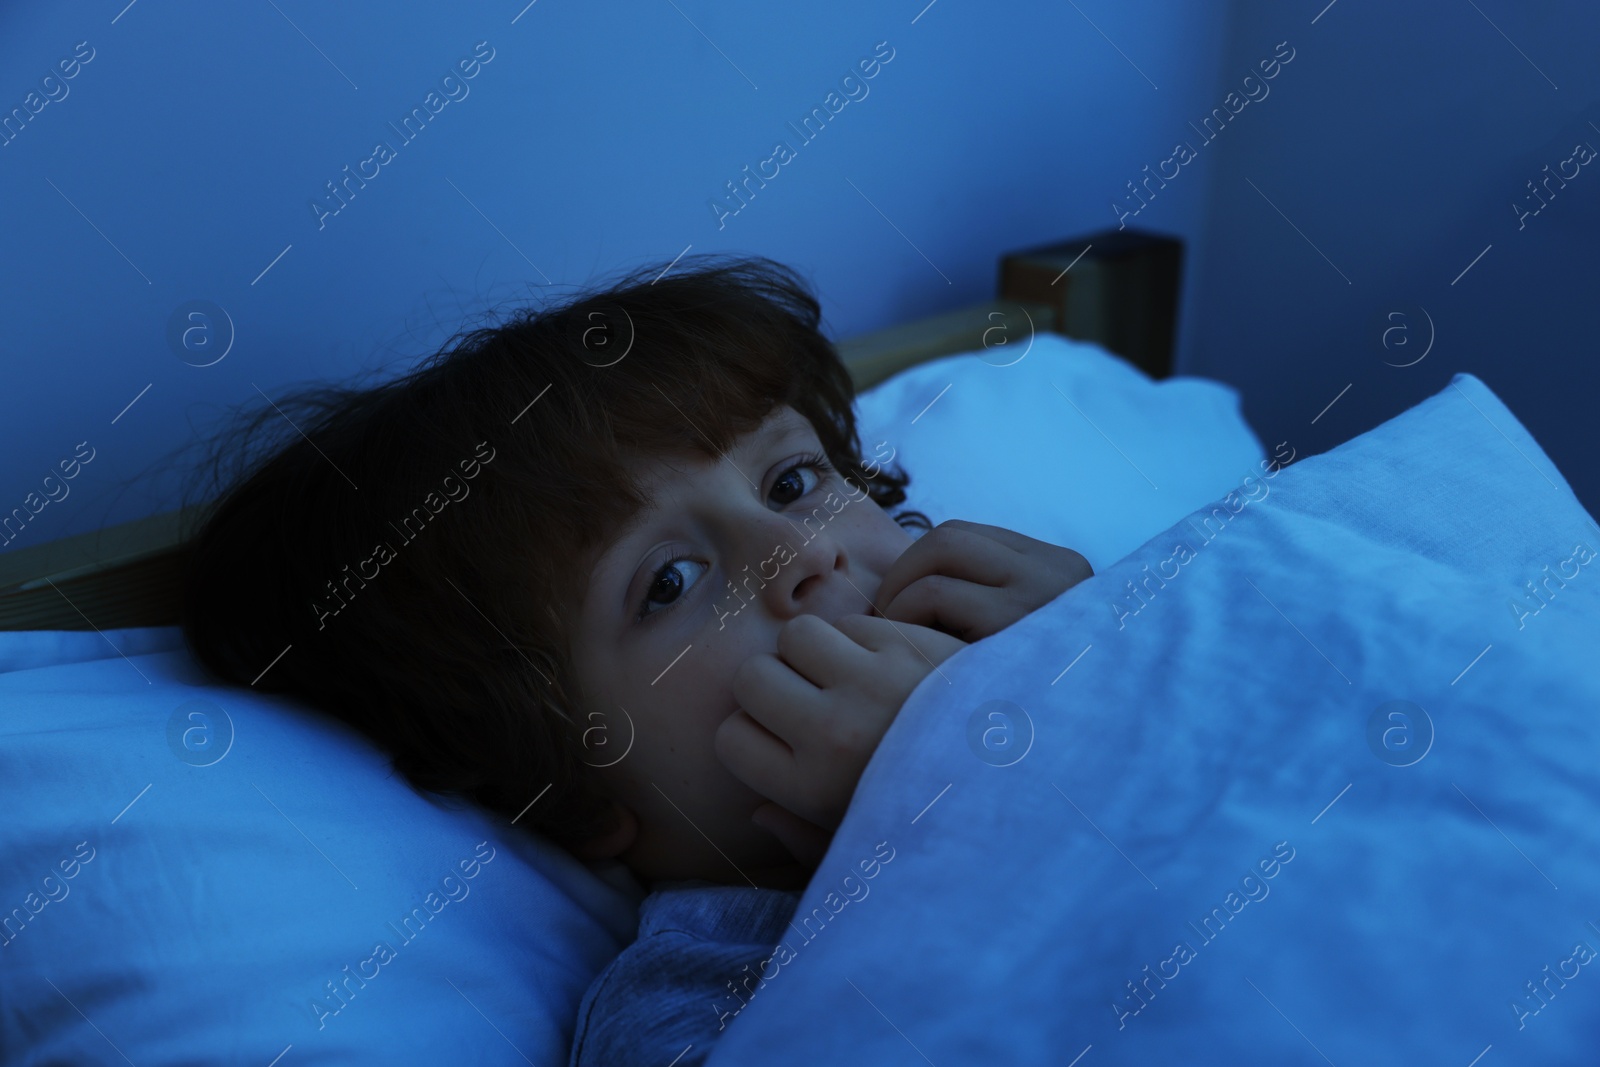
(1320, 786)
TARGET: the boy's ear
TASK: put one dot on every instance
(613, 843)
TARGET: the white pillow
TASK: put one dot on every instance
(186, 867)
(1067, 443)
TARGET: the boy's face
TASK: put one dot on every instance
(665, 681)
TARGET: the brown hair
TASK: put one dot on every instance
(419, 546)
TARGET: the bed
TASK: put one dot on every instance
(1280, 738)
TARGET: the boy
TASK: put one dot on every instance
(751, 739)
(642, 521)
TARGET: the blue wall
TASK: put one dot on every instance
(182, 162)
(1396, 143)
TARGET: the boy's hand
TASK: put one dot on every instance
(812, 715)
(973, 580)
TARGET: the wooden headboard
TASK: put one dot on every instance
(129, 574)
(1091, 287)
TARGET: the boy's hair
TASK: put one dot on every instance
(410, 557)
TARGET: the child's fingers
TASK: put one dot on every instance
(956, 551)
(806, 841)
(819, 652)
(968, 611)
(755, 755)
(1010, 538)
(871, 632)
(778, 697)
(879, 634)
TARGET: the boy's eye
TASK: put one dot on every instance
(668, 584)
(792, 482)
